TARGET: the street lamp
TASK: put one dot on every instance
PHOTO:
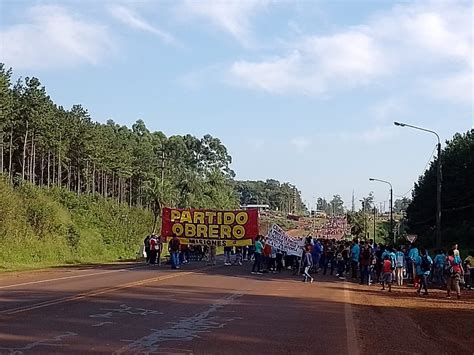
(392, 236)
(438, 180)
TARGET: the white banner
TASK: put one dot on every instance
(278, 239)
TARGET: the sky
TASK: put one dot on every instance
(299, 91)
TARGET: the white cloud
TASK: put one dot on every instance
(388, 110)
(412, 40)
(300, 143)
(133, 20)
(54, 38)
(458, 88)
(370, 136)
(232, 16)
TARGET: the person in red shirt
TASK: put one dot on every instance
(454, 273)
(387, 273)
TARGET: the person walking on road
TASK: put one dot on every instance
(399, 266)
(413, 254)
(387, 273)
(355, 254)
(173, 248)
(227, 255)
(423, 264)
(454, 272)
(257, 264)
(307, 264)
(365, 259)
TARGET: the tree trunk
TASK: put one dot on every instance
(53, 183)
(33, 159)
(10, 154)
(93, 179)
(1, 150)
(24, 153)
(78, 170)
(130, 193)
(42, 171)
(49, 167)
(60, 178)
(69, 176)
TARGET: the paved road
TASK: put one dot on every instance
(132, 308)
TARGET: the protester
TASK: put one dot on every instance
(173, 248)
(238, 256)
(400, 265)
(212, 255)
(153, 249)
(438, 268)
(365, 261)
(227, 255)
(453, 272)
(257, 265)
(412, 255)
(355, 254)
(423, 264)
(387, 273)
(307, 265)
(279, 260)
(146, 243)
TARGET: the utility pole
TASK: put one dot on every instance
(374, 222)
(438, 179)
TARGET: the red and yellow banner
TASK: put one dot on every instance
(210, 227)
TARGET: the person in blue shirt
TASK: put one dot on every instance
(423, 263)
(355, 255)
(438, 267)
(316, 254)
(412, 255)
(400, 264)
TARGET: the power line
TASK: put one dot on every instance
(426, 166)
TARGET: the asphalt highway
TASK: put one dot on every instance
(133, 308)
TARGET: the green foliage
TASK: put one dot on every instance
(457, 198)
(279, 196)
(45, 227)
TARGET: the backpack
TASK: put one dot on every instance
(448, 268)
(425, 264)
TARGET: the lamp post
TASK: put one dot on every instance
(392, 236)
(374, 223)
(438, 180)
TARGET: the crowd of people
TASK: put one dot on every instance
(367, 262)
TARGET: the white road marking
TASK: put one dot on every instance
(68, 277)
(352, 345)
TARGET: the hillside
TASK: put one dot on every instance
(41, 227)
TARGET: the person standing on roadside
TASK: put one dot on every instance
(454, 272)
(423, 264)
(355, 254)
(173, 247)
(153, 249)
(257, 264)
(146, 243)
(212, 255)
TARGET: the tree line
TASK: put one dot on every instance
(48, 145)
(51, 146)
(457, 196)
